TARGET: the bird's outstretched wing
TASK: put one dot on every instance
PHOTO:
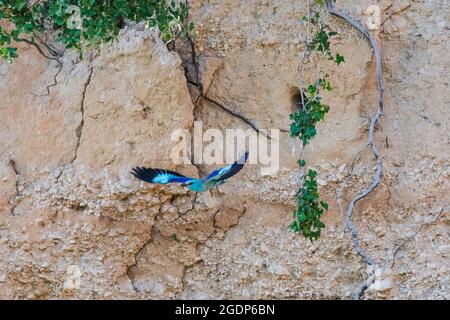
(224, 173)
(160, 176)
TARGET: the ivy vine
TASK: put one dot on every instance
(310, 208)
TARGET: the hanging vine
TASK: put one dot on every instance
(310, 112)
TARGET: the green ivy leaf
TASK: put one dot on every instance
(339, 59)
(304, 19)
(301, 162)
(307, 215)
(309, 208)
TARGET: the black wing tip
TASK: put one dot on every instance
(138, 170)
(146, 174)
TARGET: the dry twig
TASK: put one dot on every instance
(410, 238)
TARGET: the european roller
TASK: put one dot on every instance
(214, 179)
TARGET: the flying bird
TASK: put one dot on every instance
(214, 179)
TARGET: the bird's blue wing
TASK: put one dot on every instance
(212, 174)
(228, 171)
(160, 176)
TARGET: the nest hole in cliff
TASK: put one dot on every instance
(296, 99)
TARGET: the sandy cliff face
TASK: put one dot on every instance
(75, 224)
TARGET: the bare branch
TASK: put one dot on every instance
(39, 49)
(54, 84)
(375, 120)
(410, 238)
(420, 114)
(352, 165)
(54, 56)
(233, 113)
(396, 12)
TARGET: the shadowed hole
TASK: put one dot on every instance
(296, 99)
